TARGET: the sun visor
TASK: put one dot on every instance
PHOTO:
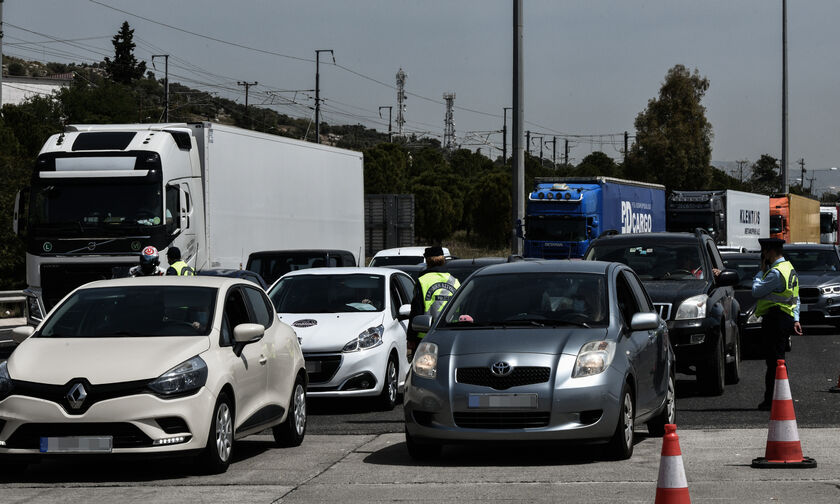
(94, 163)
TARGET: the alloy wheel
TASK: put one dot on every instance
(300, 409)
(224, 432)
(628, 420)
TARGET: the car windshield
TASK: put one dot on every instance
(529, 300)
(776, 224)
(329, 293)
(746, 267)
(828, 223)
(133, 311)
(813, 260)
(273, 266)
(656, 261)
(689, 221)
(555, 228)
(396, 260)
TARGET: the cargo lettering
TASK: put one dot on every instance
(636, 217)
(750, 217)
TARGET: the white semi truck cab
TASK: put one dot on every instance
(99, 194)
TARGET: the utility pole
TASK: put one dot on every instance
(553, 151)
(741, 164)
(541, 147)
(449, 122)
(401, 76)
(247, 88)
(166, 85)
(566, 152)
(626, 137)
(504, 134)
(518, 162)
(801, 164)
(389, 107)
(784, 101)
(318, 91)
(528, 142)
(1, 53)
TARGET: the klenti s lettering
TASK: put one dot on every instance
(635, 218)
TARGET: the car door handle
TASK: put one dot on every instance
(263, 359)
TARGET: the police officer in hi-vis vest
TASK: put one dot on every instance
(176, 265)
(776, 287)
(433, 290)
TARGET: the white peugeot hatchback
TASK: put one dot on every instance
(154, 365)
(352, 327)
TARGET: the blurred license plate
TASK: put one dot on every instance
(502, 400)
(77, 444)
(313, 366)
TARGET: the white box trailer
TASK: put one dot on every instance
(735, 219)
(747, 219)
(101, 193)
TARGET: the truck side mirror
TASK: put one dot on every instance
(19, 218)
(183, 205)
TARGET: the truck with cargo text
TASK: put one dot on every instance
(794, 218)
(735, 220)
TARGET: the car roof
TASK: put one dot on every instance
(374, 270)
(740, 255)
(808, 246)
(299, 251)
(542, 266)
(665, 236)
(407, 251)
(475, 261)
(169, 280)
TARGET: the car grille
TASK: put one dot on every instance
(664, 310)
(329, 366)
(95, 393)
(126, 435)
(501, 420)
(519, 376)
(809, 295)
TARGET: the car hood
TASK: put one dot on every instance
(674, 291)
(329, 332)
(56, 361)
(818, 278)
(553, 341)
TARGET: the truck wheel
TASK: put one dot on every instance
(620, 446)
(710, 374)
(733, 369)
(668, 415)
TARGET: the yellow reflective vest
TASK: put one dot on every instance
(785, 300)
(437, 289)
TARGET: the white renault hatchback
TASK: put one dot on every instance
(352, 326)
(155, 365)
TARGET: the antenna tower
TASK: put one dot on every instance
(401, 76)
(449, 122)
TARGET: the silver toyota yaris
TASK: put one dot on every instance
(541, 351)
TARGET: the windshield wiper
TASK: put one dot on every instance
(466, 324)
(121, 333)
(556, 322)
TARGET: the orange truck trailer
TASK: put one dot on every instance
(794, 218)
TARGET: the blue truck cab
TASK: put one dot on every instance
(563, 215)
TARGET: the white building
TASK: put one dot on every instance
(17, 89)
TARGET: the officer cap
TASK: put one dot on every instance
(771, 243)
(433, 251)
(174, 253)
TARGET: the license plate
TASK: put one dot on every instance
(313, 366)
(502, 400)
(77, 444)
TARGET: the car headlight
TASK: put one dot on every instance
(370, 338)
(35, 312)
(185, 377)
(425, 360)
(593, 358)
(5, 381)
(830, 289)
(692, 308)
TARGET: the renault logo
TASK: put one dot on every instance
(501, 369)
(77, 395)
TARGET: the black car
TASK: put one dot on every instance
(818, 269)
(747, 265)
(235, 273)
(272, 264)
(699, 306)
(459, 268)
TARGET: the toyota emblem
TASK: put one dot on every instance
(77, 395)
(501, 368)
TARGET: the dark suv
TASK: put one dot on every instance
(699, 307)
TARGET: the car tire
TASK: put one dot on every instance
(733, 369)
(390, 387)
(292, 431)
(620, 446)
(217, 454)
(668, 415)
(710, 375)
(421, 451)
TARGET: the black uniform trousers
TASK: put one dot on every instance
(776, 326)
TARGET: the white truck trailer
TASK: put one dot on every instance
(101, 193)
(735, 219)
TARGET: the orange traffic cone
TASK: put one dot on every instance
(837, 388)
(783, 447)
(671, 487)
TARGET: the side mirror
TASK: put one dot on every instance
(404, 312)
(19, 334)
(421, 323)
(727, 277)
(248, 333)
(644, 321)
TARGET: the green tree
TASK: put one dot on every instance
(598, 164)
(16, 68)
(492, 211)
(720, 180)
(385, 169)
(765, 175)
(124, 68)
(673, 137)
(435, 216)
(16, 169)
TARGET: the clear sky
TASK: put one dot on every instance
(590, 65)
